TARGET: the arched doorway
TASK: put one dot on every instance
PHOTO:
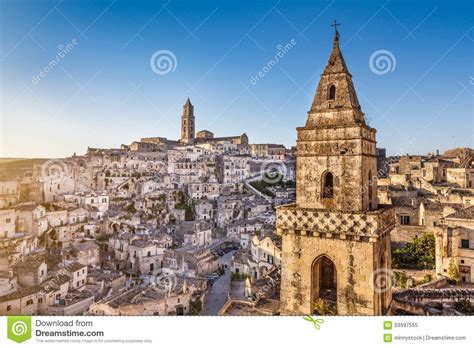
(324, 281)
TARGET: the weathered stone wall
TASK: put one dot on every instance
(354, 264)
(357, 244)
(76, 308)
(349, 153)
(402, 235)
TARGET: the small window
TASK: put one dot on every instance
(404, 220)
(328, 185)
(465, 243)
(9, 308)
(29, 302)
(332, 92)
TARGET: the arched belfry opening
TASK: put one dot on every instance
(328, 185)
(332, 92)
(324, 281)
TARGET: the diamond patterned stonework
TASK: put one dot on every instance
(290, 219)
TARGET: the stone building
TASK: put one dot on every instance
(335, 238)
(77, 273)
(262, 256)
(455, 244)
(31, 272)
(9, 193)
(204, 136)
(463, 177)
(275, 152)
(7, 223)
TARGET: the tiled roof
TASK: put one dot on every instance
(75, 266)
(465, 214)
(20, 293)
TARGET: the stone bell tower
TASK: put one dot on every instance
(336, 240)
(187, 123)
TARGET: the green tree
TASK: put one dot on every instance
(419, 254)
(321, 307)
(400, 279)
(453, 271)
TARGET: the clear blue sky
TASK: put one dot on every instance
(104, 93)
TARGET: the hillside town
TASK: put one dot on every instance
(217, 225)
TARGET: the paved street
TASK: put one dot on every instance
(217, 295)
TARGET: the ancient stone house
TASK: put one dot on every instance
(454, 244)
(31, 272)
(335, 238)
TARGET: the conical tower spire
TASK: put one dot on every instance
(336, 63)
(335, 92)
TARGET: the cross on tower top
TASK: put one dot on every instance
(335, 24)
